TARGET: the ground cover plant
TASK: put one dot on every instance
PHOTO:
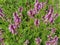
(29, 22)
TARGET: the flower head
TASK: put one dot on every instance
(49, 16)
(38, 41)
(20, 9)
(47, 43)
(12, 28)
(52, 41)
(31, 13)
(17, 19)
(51, 20)
(38, 6)
(53, 30)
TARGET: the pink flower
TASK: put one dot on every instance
(36, 22)
(1, 14)
(51, 20)
(12, 28)
(49, 16)
(17, 20)
(35, 10)
(38, 41)
(31, 13)
(56, 38)
(20, 9)
(52, 41)
(38, 6)
(47, 43)
(53, 30)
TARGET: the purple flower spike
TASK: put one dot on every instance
(56, 38)
(17, 20)
(20, 9)
(1, 14)
(12, 28)
(49, 16)
(34, 11)
(51, 20)
(36, 22)
(38, 41)
(52, 41)
(31, 13)
(38, 6)
(53, 30)
(50, 11)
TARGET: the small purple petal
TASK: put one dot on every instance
(1, 10)
(53, 30)
(36, 22)
(56, 15)
(20, 9)
(1, 15)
